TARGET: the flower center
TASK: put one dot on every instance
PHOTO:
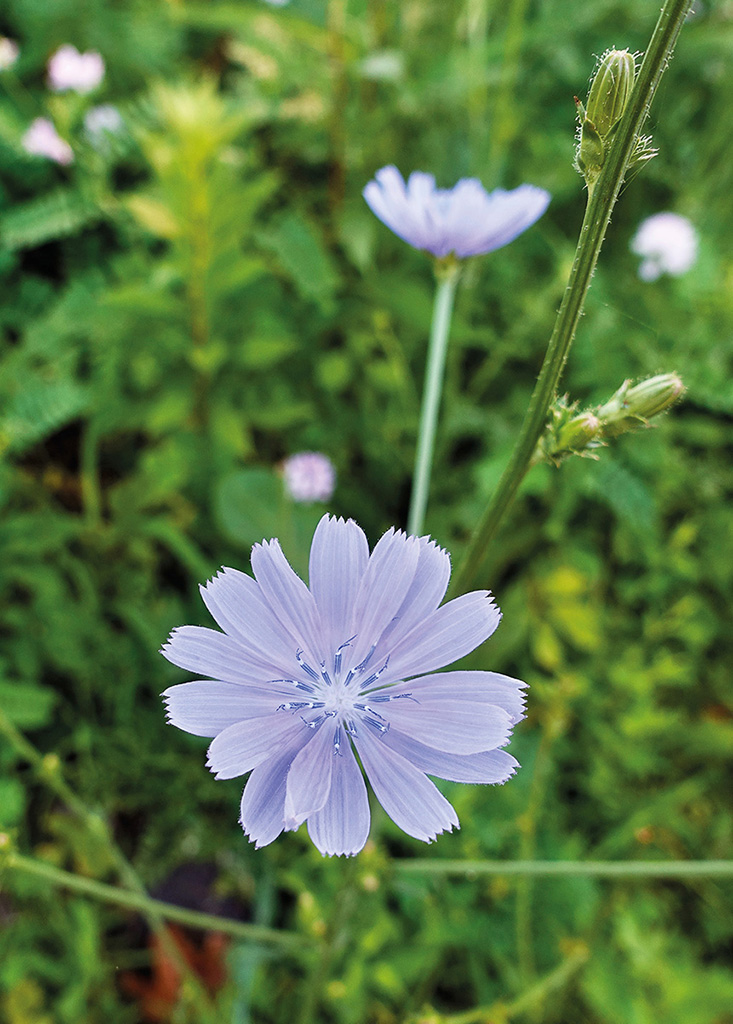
(345, 695)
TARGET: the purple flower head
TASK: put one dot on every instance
(309, 476)
(302, 677)
(69, 70)
(42, 139)
(465, 220)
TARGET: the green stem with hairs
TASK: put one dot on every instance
(595, 222)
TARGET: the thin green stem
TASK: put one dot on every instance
(592, 232)
(146, 904)
(640, 869)
(439, 330)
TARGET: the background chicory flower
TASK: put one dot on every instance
(304, 676)
(465, 220)
(668, 244)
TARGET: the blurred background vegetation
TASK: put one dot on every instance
(204, 292)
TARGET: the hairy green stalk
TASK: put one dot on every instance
(593, 230)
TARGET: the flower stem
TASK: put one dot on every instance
(641, 869)
(146, 904)
(440, 327)
(595, 222)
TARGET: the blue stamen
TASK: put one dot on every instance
(304, 665)
(363, 664)
(375, 675)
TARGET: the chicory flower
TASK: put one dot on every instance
(304, 677)
(465, 220)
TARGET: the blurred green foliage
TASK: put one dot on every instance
(205, 293)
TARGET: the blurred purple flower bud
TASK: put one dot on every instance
(309, 476)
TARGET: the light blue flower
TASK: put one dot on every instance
(465, 220)
(302, 677)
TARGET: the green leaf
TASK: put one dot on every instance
(28, 706)
(57, 215)
(303, 257)
(247, 505)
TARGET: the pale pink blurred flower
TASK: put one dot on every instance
(309, 476)
(79, 72)
(9, 52)
(42, 139)
(667, 243)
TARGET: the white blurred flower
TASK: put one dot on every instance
(42, 139)
(79, 72)
(383, 66)
(667, 243)
(309, 476)
(101, 121)
(9, 52)
(277, 3)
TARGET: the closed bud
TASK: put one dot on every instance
(610, 90)
(632, 407)
(568, 432)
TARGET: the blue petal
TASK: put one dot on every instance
(426, 591)
(402, 209)
(491, 766)
(289, 598)
(341, 827)
(206, 707)
(451, 632)
(208, 652)
(485, 687)
(309, 779)
(244, 745)
(505, 217)
(237, 604)
(455, 725)
(338, 559)
(407, 795)
(263, 799)
(383, 588)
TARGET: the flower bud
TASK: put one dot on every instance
(568, 432)
(631, 407)
(610, 90)
(579, 433)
